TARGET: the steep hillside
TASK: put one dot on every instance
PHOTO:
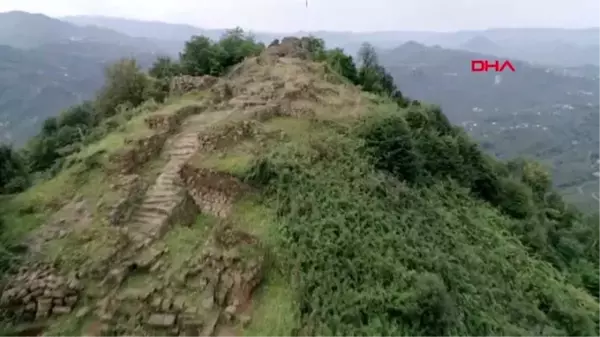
(565, 139)
(533, 112)
(280, 199)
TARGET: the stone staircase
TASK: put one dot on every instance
(152, 218)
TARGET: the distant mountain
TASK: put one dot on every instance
(551, 46)
(47, 65)
(144, 29)
(482, 45)
(27, 30)
(444, 76)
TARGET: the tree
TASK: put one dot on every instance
(367, 56)
(125, 84)
(201, 56)
(164, 67)
(316, 47)
(343, 64)
(12, 170)
(238, 45)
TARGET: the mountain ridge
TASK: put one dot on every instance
(47, 65)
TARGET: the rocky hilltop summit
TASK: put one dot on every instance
(290, 193)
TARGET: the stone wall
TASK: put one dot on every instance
(185, 83)
(214, 192)
(38, 292)
(227, 134)
(163, 122)
(134, 187)
(185, 212)
(171, 122)
(138, 152)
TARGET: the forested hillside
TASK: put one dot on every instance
(444, 76)
(244, 190)
(47, 65)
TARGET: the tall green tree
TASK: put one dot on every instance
(125, 84)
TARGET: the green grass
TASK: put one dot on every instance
(274, 311)
(183, 242)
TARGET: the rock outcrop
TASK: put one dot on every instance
(291, 47)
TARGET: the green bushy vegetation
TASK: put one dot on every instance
(400, 225)
(390, 240)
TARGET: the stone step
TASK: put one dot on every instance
(158, 201)
(166, 187)
(146, 229)
(164, 209)
(186, 143)
(147, 217)
(169, 174)
(166, 183)
(181, 152)
(160, 194)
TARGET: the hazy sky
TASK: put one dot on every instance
(355, 15)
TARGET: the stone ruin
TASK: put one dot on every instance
(134, 188)
(211, 289)
(183, 84)
(290, 47)
(214, 192)
(227, 134)
(38, 292)
(139, 151)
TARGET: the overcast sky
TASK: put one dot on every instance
(341, 15)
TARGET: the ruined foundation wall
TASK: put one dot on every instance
(214, 192)
(38, 292)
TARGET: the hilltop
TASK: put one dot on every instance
(244, 190)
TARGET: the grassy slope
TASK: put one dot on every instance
(354, 251)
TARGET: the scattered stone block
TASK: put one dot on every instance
(179, 303)
(166, 304)
(161, 320)
(61, 310)
(82, 312)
